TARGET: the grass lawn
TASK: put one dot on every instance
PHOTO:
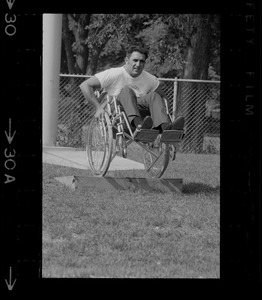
(122, 234)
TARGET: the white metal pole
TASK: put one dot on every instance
(52, 34)
(174, 99)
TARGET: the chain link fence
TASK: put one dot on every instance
(198, 101)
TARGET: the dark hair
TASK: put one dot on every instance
(137, 48)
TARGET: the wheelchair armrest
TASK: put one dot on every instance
(101, 96)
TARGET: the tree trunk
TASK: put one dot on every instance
(77, 25)
(63, 68)
(198, 54)
(68, 40)
(196, 67)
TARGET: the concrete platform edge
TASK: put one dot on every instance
(164, 185)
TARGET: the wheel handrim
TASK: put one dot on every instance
(99, 145)
(161, 161)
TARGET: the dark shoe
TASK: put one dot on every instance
(178, 124)
(146, 124)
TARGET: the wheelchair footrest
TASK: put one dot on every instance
(146, 135)
(172, 136)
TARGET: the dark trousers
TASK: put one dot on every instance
(152, 101)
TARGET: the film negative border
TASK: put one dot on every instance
(241, 144)
(21, 147)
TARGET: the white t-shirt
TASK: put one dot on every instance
(114, 79)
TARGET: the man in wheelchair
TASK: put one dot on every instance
(134, 89)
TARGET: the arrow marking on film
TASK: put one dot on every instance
(10, 285)
(10, 3)
(9, 136)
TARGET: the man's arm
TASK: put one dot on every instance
(87, 87)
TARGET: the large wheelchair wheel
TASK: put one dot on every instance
(99, 144)
(156, 164)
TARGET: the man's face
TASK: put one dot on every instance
(135, 64)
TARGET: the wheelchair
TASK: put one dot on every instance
(110, 134)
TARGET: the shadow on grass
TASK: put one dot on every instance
(195, 187)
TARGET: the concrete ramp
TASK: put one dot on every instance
(70, 157)
(129, 184)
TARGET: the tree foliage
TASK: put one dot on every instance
(175, 42)
(163, 38)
